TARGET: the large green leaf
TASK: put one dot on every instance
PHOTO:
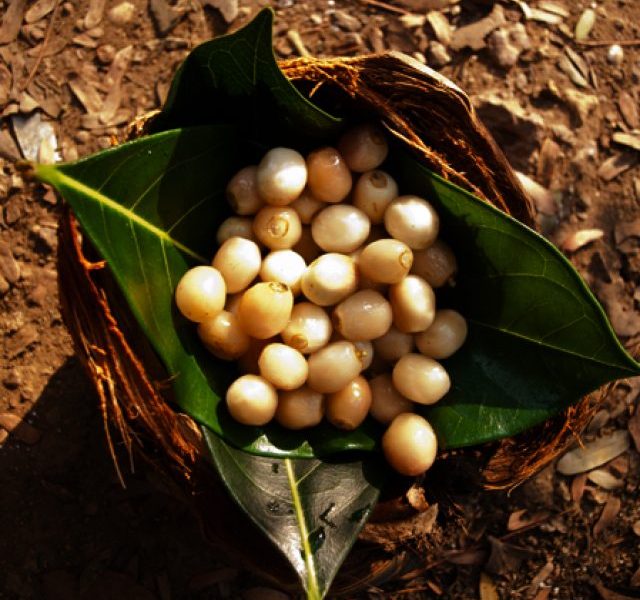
(312, 510)
(538, 339)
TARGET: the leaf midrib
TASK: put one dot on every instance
(54, 176)
(635, 370)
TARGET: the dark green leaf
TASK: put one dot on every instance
(311, 510)
(235, 79)
(538, 339)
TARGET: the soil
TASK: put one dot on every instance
(69, 529)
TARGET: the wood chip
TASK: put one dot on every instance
(86, 93)
(607, 516)
(46, 49)
(473, 35)
(594, 453)
(604, 479)
(487, 588)
(585, 24)
(617, 164)
(39, 10)
(632, 140)
(19, 429)
(94, 13)
(554, 7)
(440, 25)
(575, 241)
(11, 21)
(577, 487)
(629, 109)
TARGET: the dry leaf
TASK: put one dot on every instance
(522, 518)
(487, 588)
(629, 109)
(504, 557)
(585, 24)
(604, 479)
(634, 427)
(570, 69)
(594, 453)
(411, 20)
(616, 164)
(543, 16)
(542, 198)
(554, 8)
(117, 70)
(608, 515)
(632, 140)
(578, 239)
(39, 10)
(577, 487)
(599, 420)
(86, 93)
(94, 13)
(11, 21)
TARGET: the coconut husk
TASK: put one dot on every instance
(436, 121)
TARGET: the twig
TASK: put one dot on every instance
(385, 6)
(294, 37)
(47, 36)
(596, 43)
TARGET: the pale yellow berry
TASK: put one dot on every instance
(347, 408)
(238, 261)
(363, 147)
(309, 328)
(436, 264)
(201, 293)
(329, 279)
(412, 220)
(393, 345)
(386, 401)
(285, 266)
(444, 336)
(278, 228)
(331, 368)
(340, 228)
(299, 409)
(373, 192)
(223, 336)
(420, 378)
(235, 227)
(281, 176)
(283, 366)
(307, 205)
(329, 177)
(265, 309)
(385, 261)
(410, 444)
(252, 400)
(364, 315)
(413, 303)
(242, 192)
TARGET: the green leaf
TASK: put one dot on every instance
(235, 79)
(312, 510)
(538, 339)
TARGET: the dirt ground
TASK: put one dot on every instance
(567, 116)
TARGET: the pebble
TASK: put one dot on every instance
(12, 379)
(122, 13)
(615, 54)
(438, 54)
(9, 268)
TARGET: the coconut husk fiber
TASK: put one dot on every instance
(435, 120)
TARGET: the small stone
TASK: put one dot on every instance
(615, 55)
(21, 340)
(9, 268)
(12, 379)
(438, 55)
(105, 53)
(122, 13)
